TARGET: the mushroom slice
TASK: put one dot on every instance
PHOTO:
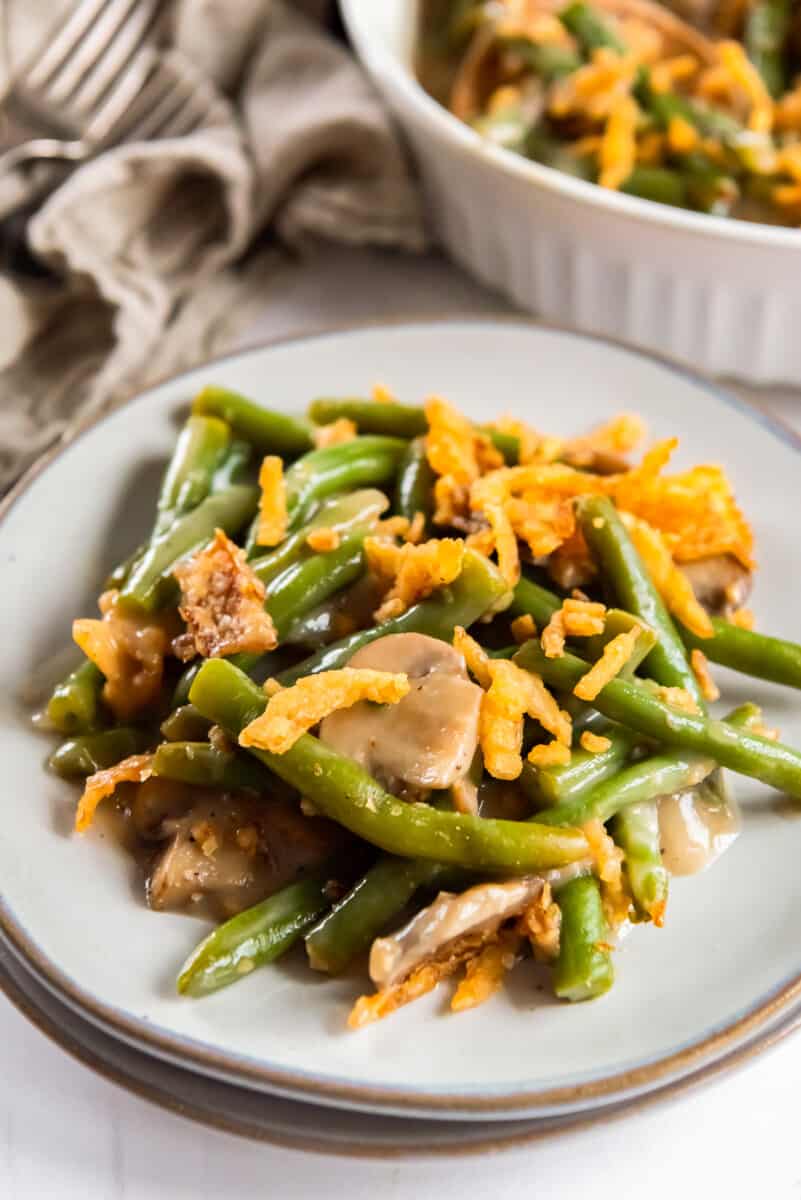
(469, 918)
(234, 851)
(426, 740)
(721, 583)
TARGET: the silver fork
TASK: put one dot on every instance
(100, 80)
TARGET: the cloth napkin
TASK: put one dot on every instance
(164, 250)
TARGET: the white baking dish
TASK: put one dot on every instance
(722, 295)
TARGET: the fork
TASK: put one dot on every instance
(100, 80)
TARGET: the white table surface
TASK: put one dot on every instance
(66, 1133)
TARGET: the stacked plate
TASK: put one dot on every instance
(271, 1057)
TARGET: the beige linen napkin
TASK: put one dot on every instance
(165, 248)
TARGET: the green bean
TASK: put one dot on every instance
(340, 789)
(767, 28)
(235, 466)
(304, 585)
(660, 775)
(632, 704)
(270, 432)
(590, 29)
(616, 621)
(81, 756)
(560, 785)
(149, 585)
(185, 724)
(201, 445)
(662, 185)
(549, 62)
(353, 510)
(75, 703)
(203, 765)
(531, 599)
(395, 420)
(477, 589)
(198, 452)
(636, 831)
(371, 416)
(584, 966)
(627, 576)
(368, 908)
(253, 938)
(362, 460)
(752, 653)
(414, 490)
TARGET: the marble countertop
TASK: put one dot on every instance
(67, 1134)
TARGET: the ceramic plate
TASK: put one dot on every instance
(727, 963)
(305, 1126)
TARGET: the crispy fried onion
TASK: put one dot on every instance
(669, 580)
(472, 928)
(292, 711)
(135, 769)
(272, 518)
(222, 602)
(412, 572)
(129, 649)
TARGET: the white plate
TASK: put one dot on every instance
(304, 1126)
(729, 959)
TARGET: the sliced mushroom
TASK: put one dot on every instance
(450, 919)
(697, 826)
(721, 583)
(428, 739)
(234, 851)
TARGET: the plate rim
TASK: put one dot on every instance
(488, 1139)
(627, 1084)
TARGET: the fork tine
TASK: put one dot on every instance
(162, 114)
(104, 76)
(114, 114)
(89, 52)
(59, 48)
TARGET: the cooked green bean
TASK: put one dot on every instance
(370, 416)
(253, 938)
(150, 583)
(624, 572)
(636, 831)
(662, 185)
(352, 924)
(198, 453)
(204, 765)
(477, 588)
(414, 490)
(756, 654)
(590, 29)
(564, 784)
(74, 706)
(632, 704)
(584, 966)
(340, 789)
(185, 724)
(320, 473)
(660, 775)
(531, 599)
(81, 756)
(394, 420)
(270, 432)
(352, 510)
(304, 585)
(767, 28)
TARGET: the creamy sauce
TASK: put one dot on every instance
(481, 909)
(427, 740)
(695, 828)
